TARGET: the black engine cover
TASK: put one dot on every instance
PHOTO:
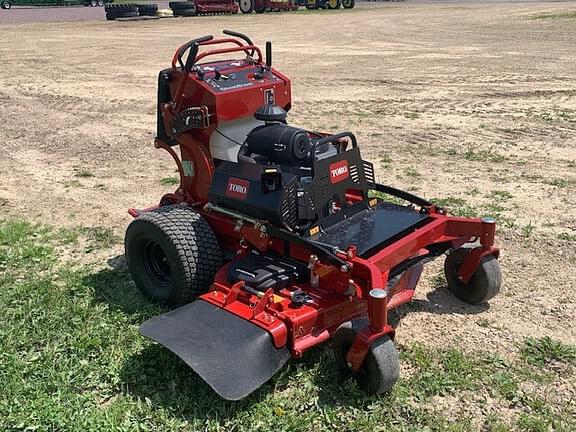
(244, 187)
(280, 143)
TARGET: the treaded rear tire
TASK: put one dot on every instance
(484, 284)
(123, 10)
(172, 254)
(147, 9)
(183, 8)
(381, 367)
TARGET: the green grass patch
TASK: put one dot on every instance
(560, 182)
(387, 198)
(500, 195)
(411, 172)
(456, 206)
(71, 359)
(544, 350)
(556, 15)
(169, 181)
(483, 156)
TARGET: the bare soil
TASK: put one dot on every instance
(468, 101)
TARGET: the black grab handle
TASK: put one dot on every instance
(190, 45)
(241, 36)
(238, 35)
(332, 139)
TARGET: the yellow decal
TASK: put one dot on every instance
(373, 202)
(315, 230)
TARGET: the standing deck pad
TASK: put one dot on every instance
(371, 230)
(232, 355)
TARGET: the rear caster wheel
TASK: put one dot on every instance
(380, 369)
(348, 4)
(333, 4)
(172, 254)
(484, 284)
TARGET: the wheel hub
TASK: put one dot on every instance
(156, 263)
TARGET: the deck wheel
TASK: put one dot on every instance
(484, 284)
(380, 369)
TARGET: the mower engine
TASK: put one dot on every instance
(279, 238)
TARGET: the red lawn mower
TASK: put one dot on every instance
(279, 238)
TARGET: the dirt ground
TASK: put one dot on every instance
(471, 102)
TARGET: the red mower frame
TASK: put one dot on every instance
(341, 288)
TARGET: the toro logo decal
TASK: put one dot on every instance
(237, 188)
(338, 171)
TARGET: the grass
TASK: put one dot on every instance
(543, 351)
(169, 181)
(560, 182)
(500, 195)
(71, 359)
(411, 172)
(483, 156)
(556, 15)
(456, 206)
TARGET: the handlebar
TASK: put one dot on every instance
(188, 45)
(239, 35)
(195, 44)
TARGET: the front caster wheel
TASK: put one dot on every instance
(484, 284)
(380, 369)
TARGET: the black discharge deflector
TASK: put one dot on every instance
(232, 355)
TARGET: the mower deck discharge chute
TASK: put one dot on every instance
(279, 238)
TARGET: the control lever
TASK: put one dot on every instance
(268, 55)
(263, 68)
(188, 45)
(191, 57)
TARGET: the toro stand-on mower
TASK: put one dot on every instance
(279, 238)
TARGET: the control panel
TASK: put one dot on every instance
(231, 76)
